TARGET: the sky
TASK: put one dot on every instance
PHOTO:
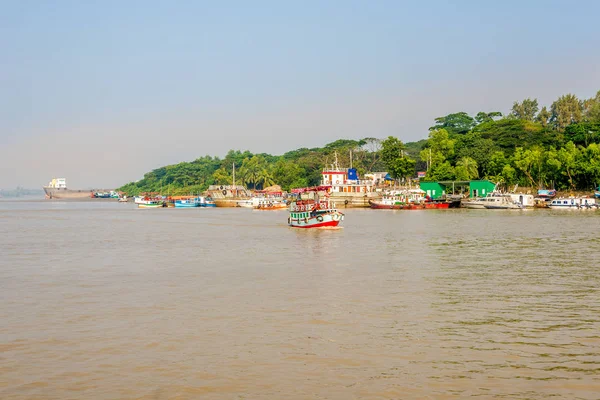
(101, 92)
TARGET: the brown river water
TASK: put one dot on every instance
(101, 300)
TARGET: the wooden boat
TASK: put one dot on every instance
(313, 213)
(546, 193)
(187, 203)
(152, 204)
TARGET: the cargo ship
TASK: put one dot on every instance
(57, 189)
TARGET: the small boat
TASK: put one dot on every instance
(541, 203)
(123, 199)
(206, 201)
(313, 213)
(247, 203)
(187, 203)
(597, 193)
(502, 202)
(413, 199)
(152, 204)
(574, 203)
(546, 193)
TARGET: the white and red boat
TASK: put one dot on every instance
(413, 199)
(313, 213)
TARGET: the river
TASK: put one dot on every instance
(106, 301)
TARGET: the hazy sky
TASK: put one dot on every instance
(100, 92)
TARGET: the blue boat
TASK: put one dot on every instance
(206, 202)
(597, 193)
(546, 193)
(187, 203)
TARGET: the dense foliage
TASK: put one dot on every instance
(557, 146)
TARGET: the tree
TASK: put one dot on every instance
(526, 110)
(568, 157)
(398, 164)
(482, 117)
(439, 147)
(565, 111)
(543, 117)
(441, 172)
(457, 123)
(466, 169)
(530, 163)
(591, 109)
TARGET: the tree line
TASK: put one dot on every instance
(556, 146)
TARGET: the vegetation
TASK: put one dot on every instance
(556, 146)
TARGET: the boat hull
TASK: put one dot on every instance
(62, 193)
(150, 205)
(321, 221)
(186, 205)
(408, 206)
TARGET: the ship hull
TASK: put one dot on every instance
(61, 193)
(409, 206)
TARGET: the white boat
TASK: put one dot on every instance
(575, 203)
(505, 203)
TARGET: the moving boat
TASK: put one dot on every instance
(57, 189)
(313, 213)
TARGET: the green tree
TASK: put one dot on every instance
(398, 164)
(466, 169)
(457, 123)
(222, 177)
(530, 162)
(439, 147)
(543, 117)
(565, 111)
(525, 110)
(482, 117)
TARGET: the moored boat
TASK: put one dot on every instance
(412, 199)
(187, 203)
(206, 201)
(313, 213)
(546, 193)
(152, 204)
(574, 203)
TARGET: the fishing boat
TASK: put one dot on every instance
(313, 213)
(152, 204)
(206, 201)
(546, 193)
(187, 203)
(412, 199)
(574, 203)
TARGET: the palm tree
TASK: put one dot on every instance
(466, 169)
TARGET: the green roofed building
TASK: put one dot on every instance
(480, 188)
(436, 190)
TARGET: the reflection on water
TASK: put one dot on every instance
(102, 300)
